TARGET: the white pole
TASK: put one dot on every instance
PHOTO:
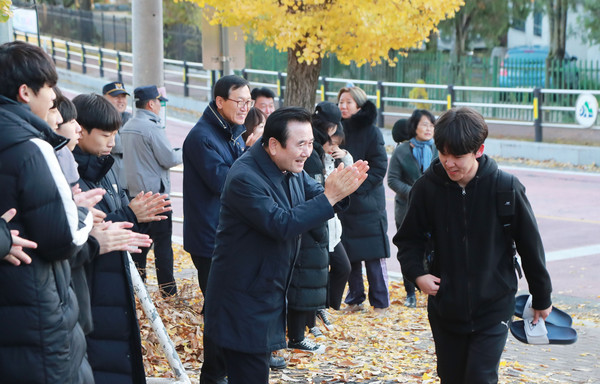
(157, 325)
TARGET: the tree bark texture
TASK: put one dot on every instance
(557, 14)
(302, 81)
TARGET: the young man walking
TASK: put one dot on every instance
(471, 281)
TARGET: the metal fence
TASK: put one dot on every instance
(526, 106)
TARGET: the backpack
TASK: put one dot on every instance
(505, 204)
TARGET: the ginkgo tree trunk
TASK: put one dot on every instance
(354, 30)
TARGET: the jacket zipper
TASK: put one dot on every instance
(464, 204)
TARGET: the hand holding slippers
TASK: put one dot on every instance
(544, 332)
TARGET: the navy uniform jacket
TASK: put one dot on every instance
(257, 244)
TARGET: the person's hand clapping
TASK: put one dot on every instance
(117, 237)
(344, 181)
(89, 199)
(16, 255)
(147, 207)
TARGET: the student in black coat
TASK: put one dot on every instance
(408, 162)
(114, 345)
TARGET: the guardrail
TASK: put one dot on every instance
(527, 107)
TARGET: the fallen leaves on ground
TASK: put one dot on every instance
(364, 347)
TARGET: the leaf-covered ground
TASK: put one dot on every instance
(363, 348)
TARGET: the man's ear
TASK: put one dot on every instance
(219, 101)
(273, 146)
(479, 152)
(24, 94)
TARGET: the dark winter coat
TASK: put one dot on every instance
(364, 224)
(114, 345)
(209, 151)
(41, 341)
(471, 251)
(308, 288)
(257, 244)
(403, 171)
(5, 239)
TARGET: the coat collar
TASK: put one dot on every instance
(212, 115)
(147, 115)
(36, 126)
(92, 167)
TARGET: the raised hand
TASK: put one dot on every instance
(344, 181)
(148, 207)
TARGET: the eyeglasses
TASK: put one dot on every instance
(242, 103)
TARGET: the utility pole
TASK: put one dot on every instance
(147, 32)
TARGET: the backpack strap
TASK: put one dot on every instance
(505, 203)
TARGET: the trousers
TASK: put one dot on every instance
(378, 284)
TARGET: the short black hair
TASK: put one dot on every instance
(229, 83)
(254, 117)
(400, 131)
(141, 104)
(277, 123)
(262, 92)
(415, 118)
(94, 111)
(66, 108)
(24, 63)
(460, 131)
(321, 129)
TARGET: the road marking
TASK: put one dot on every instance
(572, 253)
(568, 219)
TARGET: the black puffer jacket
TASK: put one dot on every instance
(40, 341)
(472, 259)
(364, 224)
(114, 345)
(308, 288)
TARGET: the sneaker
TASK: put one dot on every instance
(307, 345)
(316, 332)
(410, 302)
(380, 312)
(324, 317)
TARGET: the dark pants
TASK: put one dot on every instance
(409, 287)
(213, 368)
(339, 273)
(297, 323)
(160, 233)
(203, 265)
(471, 358)
(247, 368)
(377, 277)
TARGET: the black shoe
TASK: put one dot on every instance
(307, 345)
(324, 317)
(277, 362)
(410, 302)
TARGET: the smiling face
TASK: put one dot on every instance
(72, 131)
(265, 104)
(461, 168)
(97, 142)
(424, 131)
(40, 102)
(119, 101)
(298, 147)
(347, 105)
(228, 108)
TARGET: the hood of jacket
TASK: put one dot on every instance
(365, 117)
(92, 167)
(438, 175)
(230, 131)
(20, 124)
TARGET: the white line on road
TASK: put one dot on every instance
(572, 253)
